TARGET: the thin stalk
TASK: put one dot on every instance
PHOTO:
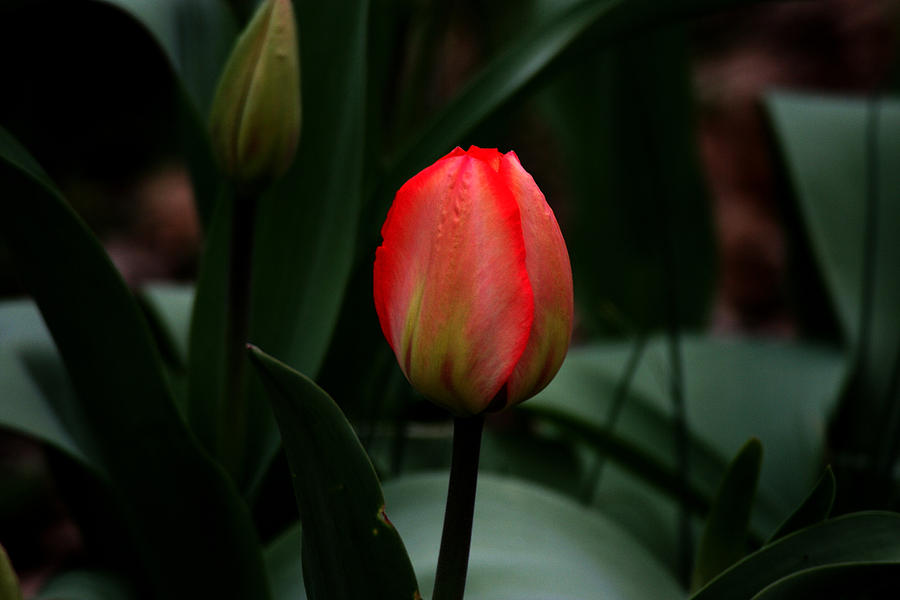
(612, 417)
(453, 559)
(870, 237)
(233, 419)
(676, 391)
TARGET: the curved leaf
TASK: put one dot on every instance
(857, 537)
(173, 497)
(814, 509)
(841, 155)
(283, 565)
(814, 131)
(169, 307)
(724, 539)
(307, 223)
(306, 226)
(527, 544)
(350, 548)
(36, 391)
(195, 36)
(206, 347)
(734, 389)
(87, 585)
(848, 580)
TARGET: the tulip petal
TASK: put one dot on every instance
(550, 274)
(451, 286)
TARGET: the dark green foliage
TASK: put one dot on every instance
(724, 539)
(173, 497)
(350, 547)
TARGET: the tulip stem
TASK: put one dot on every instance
(233, 417)
(453, 559)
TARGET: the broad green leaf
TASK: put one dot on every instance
(870, 580)
(857, 537)
(305, 233)
(814, 509)
(527, 543)
(527, 455)
(87, 585)
(206, 342)
(165, 485)
(194, 35)
(36, 391)
(169, 308)
(283, 565)
(307, 223)
(645, 462)
(734, 389)
(651, 517)
(832, 159)
(823, 141)
(724, 539)
(9, 583)
(350, 548)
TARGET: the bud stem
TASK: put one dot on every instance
(232, 432)
(453, 559)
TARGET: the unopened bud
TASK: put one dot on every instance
(255, 117)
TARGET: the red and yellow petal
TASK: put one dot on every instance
(452, 290)
(550, 275)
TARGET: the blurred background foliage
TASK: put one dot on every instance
(732, 244)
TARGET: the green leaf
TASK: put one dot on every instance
(87, 585)
(283, 565)
(642, 461)
(852, 580)
(36, 391)
(194, 35)
(826, 146)
(816, 131)
(9, 583)
(527, 542)
(206, 344)
(734, 389)
(724, 539)
(167, 488)
(169, 307)
(350, 548)
(813, 510)
(305, 233)
(307, 222)
(857, 537)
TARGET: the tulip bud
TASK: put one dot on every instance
(473, 286)
(255, 117)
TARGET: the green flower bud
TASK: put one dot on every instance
(255, 117)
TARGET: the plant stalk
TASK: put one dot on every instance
(234, 416)
(453, 559)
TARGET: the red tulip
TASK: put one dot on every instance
(473, 286)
